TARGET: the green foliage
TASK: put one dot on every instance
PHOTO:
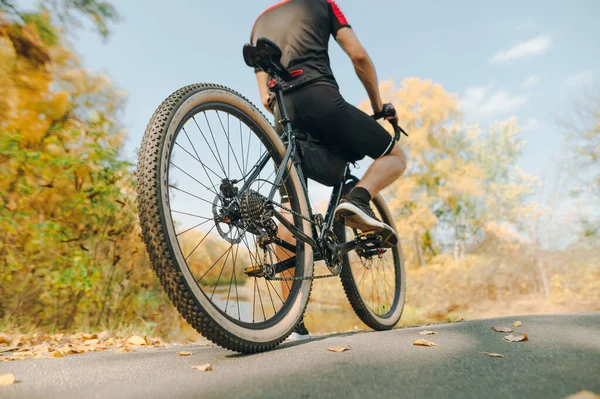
(70, 253)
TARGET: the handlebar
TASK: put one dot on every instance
(388, 110)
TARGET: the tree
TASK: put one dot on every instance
(459, 181)
(66, 11)
(70, 251)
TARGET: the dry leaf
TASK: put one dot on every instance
(203, 367)
(516, 337)
(3, 338)
(426, 332)
(491, 354)
(184, 353)
(6, 379)
(56, 354)
(518, 324)
(339, 349)
(502, 329)
(585, 394)
(136, 340)
(8, 349)
(424, 342)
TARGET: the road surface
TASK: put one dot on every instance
(562, 357)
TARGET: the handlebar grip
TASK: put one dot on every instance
(397, 129)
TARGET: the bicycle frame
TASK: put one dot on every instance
(290, 160)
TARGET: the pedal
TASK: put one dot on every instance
(369, 236)
(254, 271)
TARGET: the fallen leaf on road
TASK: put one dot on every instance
(184, 353)
(339, 349)
(8, 349)
(423, 342)
(516, 337)
(136, 340)
(124, 349)
(56, 354)
(6, 379)
(491, 354)
(518, 324)
(502, 329)
(426, 332)
(583, 395)
(204, 367)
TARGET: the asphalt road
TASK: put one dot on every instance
(562, 357)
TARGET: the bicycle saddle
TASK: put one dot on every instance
(266, 55)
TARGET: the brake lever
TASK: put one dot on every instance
(397, 129)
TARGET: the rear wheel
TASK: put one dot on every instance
(202, 211)
(374, 282)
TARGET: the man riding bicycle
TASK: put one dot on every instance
(301, 28)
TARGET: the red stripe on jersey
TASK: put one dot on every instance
(338, 13)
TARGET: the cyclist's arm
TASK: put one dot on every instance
(362, 65)
(262, 78)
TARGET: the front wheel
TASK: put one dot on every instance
(207, 161)
(374, 282)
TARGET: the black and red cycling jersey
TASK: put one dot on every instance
(301, 28)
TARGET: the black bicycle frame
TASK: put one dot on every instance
(288, 161)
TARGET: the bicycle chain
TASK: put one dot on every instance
(302, 278)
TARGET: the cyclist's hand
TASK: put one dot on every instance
(389, 112)
(265, 101)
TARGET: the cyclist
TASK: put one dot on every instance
(301, 28)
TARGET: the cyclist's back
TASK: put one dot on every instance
(302, 28)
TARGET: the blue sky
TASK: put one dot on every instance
(527, 59)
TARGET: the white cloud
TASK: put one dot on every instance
(531, 81)
(531, 124)
(581, 78)
(479, 102)
(529, 48)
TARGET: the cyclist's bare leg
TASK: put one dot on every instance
(283, 254)
(384, 171)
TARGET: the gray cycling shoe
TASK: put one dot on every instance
(358, 214)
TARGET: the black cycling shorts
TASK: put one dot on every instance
(320, 110)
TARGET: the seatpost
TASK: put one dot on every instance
(276, 87)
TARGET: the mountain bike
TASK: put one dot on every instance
(211, 174)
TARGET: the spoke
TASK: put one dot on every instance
(201, 241)
(206, 167)
(261, 304)
(229, 143)
(248, 153)
(208, 145)
(190, 194)
(254, 301)
(287, 283)
(214, 142)
(198, 156)
(270, 296)
(230, 282)
(196, 180)
(242, 151)
(229, 251)
(266, 180)
(214, 264)
(275, 289)
(191, 214)
(192, 228)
